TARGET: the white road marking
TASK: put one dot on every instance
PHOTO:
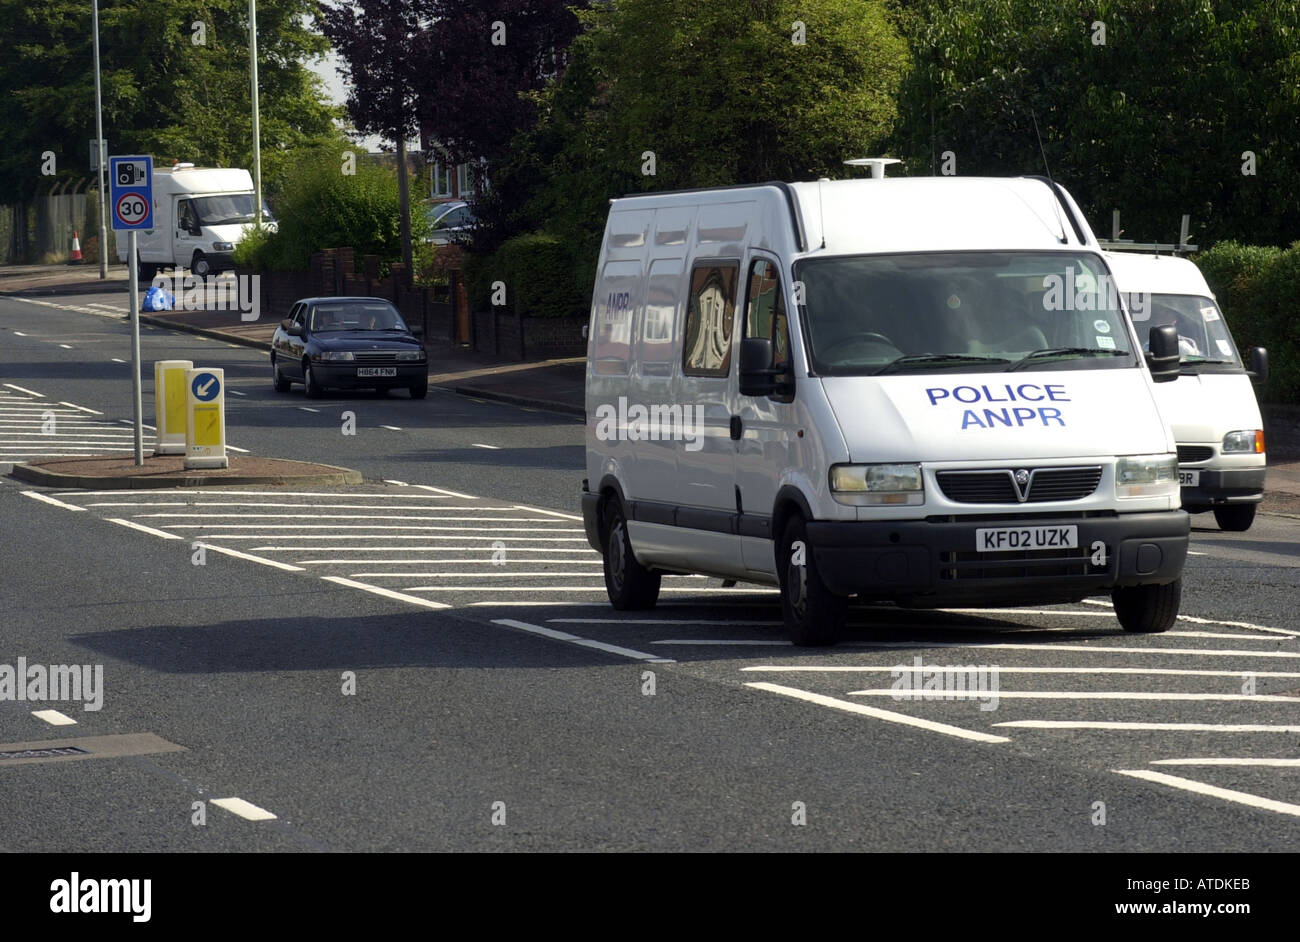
(391, 428)
(308, 409)
(1272, 763)
(118, 360)
(387, 593)
(37, 495)
(54, 717)
(251, 558)
(363, 526)
(1142, 671)
(73, 405)
(244, 809)
(886, 715)
(479, 561)
(30, 392)
(492, 447)
(395, 516)
(542, 510)
(142, 528)
(439, 490)
(1213, 791)
(725, 643)
(479, 575)
(242, 451)
(1077, 648)
(658, 621)
(1210, 621)
(236, 392)
(65, 346)
(1154, 727)
(398, 483)
(536, 603)
(1072, 695)
(395, 536)
(581, 642)
(19, 333)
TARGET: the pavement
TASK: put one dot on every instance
(118, 471)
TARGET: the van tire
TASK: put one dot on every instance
(1147, 609)
(309, 384)
(1235, 518)
(200, 266)
(814, 616)
(630, 585)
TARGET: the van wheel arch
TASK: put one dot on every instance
(609, 490)
(789, 500)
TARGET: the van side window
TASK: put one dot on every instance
(765, 311)
(710, 314)
(186, 217)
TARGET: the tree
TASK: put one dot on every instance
(385, 47)
(165, 92)
(1146, 107)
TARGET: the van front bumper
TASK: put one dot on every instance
(921, 562)
(1231, 486)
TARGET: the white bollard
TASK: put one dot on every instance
(205, 410)
(170, 414)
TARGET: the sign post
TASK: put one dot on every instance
(131, 182)
(205, 413)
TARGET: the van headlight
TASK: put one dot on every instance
(1147, 476)
(1246, 441)
(879, 484)
(223, 246)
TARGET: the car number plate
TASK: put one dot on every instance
(1189, 478)
(1005, 539)
(376, 371)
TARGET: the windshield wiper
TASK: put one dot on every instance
(1065, 352)
(934, 359)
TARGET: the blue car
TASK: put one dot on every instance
(347, 343)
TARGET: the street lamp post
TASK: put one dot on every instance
(99, 152)
(257, 137)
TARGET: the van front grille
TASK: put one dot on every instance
(1000, 486)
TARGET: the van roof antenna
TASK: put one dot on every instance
(1056, 202)
(821, 215)
(1046, 169)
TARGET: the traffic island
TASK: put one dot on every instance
(114, 472)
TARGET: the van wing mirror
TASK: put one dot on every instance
(1163, 357)
(757, 377)
(1258, 372)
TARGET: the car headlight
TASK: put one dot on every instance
(880, 484)
(1247, 441)
(338, 355)
(410, 354)
(223, 246)
(1146, 476)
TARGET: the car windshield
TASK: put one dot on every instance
(963, 311)
(355, 315)
(1204, 343)
(229, 208)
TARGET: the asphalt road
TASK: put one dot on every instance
(493, 681)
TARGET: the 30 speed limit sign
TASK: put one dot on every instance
(131, 189)
(131, 209)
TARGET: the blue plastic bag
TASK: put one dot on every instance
(158, 299)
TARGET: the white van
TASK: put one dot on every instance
(199, 215)
(917, 390)
(1212, 407)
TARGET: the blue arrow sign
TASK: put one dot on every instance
(205, 387)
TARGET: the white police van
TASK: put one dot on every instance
(1212, 407)
(914, 390)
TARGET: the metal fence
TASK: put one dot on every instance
(40, 229)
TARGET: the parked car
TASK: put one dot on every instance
(449, 221)
(354, 343)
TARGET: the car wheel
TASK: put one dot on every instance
(313, 389)
(629, 584)
(1147, 609)
(814, 616)
(278, 380)
(420, 390)
(1236, 517)
(200, 266)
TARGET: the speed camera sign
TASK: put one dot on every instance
(131, 180)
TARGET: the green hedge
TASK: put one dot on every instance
(1256, 287)
(540, 276)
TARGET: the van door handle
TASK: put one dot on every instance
(736, 428)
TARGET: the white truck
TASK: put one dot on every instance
(1212, 407)
(200, 214)
(922, 390)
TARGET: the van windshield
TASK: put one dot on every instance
(229, 208)
(1204, 343)
(966, 311)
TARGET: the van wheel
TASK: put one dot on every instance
(278, 380)
(200, 266)
(1147, 609)
(814, 616)
(630, 585)
(1236, 517)
(309, 384)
